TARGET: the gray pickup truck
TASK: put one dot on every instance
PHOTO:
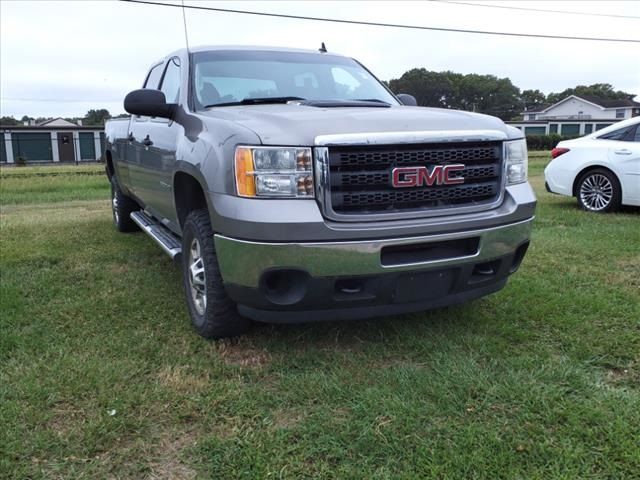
(292, 185)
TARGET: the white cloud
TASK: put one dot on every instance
(80, 55)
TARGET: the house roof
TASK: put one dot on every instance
(539, 109)
(56, 122)
(603, 103)
(610, 103)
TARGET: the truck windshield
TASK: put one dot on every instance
(222, 78)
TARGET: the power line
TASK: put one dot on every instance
(379, 24)
(474, 4)
(57, 100)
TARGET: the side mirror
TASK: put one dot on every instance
(407, 99)
(150, 103)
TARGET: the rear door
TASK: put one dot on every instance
(156, 141)
(624, 154)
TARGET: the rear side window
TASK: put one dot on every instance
(620, 134)
(171, 81)
(636, 137)
(153, 78)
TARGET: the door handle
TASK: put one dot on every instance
(147, 141)
(131, 138)
(623, 151)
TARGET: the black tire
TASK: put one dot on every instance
(213, 314)
(121, 208)
(599, 191)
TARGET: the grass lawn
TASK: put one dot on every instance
(101, 375)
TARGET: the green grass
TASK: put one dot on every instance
(101, 375)
(48, 184)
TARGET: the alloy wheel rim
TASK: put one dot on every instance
(114, 206)
(197, 278)
(596, 192)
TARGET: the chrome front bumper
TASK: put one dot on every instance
(243, 262)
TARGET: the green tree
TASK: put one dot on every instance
(9, 121)
(479, 93)
(532, 99)
(96, 117)
(602, 90)
(431, 89)
(487, 94)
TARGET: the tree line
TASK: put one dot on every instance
(487, 93)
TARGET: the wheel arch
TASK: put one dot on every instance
(188, 194)
(109, 164)
(574, 188)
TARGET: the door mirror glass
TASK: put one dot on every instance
(149, 103)
(407, 99)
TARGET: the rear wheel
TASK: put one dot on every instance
(213, 314)
(121, 208)
(599, 191)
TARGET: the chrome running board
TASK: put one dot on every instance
(160, 234)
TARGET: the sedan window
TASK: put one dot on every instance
(620, 134)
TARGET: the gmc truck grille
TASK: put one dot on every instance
(360, 177)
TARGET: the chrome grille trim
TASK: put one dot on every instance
(324, 175)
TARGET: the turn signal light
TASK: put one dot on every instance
(284, 172)
(244, 172)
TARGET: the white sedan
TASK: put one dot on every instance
(601, 170)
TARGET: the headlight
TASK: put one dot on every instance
(515, 152)
(274, 172)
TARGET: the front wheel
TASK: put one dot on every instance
(599, 191)
(213, 314)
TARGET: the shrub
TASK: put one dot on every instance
(21, 161)
(545, 142)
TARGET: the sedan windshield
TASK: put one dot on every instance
(234, 77)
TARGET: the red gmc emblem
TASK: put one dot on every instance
(419, 176)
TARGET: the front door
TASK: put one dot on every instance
(155, 140)
(66, 151)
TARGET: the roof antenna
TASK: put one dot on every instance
(322, 48)
(184, 20)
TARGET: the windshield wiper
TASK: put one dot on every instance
(256, 101)
(376, 100)
(346, 103)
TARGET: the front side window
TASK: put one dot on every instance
(153, 78)
(171, 81)
(229, 77)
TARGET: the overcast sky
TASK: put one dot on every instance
(63, 58)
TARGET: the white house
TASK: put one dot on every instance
(576, 116)
(585, 108)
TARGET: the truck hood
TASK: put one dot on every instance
(290, 124)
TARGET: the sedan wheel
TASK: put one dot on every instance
(598, 191)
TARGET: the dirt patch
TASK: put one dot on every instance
(242, 354)
(166, 463)
(286, 418)
(619, 376)
(65, 417)
(180, 379)
(399, 362)
(627, 273)
(118, 268)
